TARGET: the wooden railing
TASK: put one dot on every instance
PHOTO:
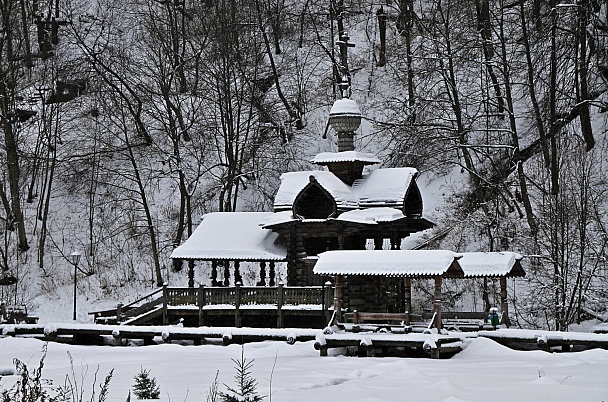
(233, 297)
(248, 295)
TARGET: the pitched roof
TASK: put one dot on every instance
(232, 236)
(394, 263)
(292, 183)
(381, 188)
(384, 187)
(494, 264)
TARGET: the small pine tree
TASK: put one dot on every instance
(246, 389)
(145, 386)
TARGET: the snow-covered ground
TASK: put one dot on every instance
(483, 371)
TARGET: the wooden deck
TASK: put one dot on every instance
(93, 333)
(249, 306)
(546, 340)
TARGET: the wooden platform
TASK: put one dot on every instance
(85, 333)
(368, 343)
(546, 340)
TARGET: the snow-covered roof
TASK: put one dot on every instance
(345, 156)
(345, 106)
(371, 215)
(395, 263)
(491, 264)
(380, 188)
(232, 236)
(384, 187)
(292, 183)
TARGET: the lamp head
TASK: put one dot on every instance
(75, 256)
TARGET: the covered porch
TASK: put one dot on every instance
(417, 264)
(227, 240)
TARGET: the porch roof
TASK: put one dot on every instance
(495, 264)
(232, 236)
(393, 263)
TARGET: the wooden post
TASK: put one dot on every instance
(280, 300)
(237, 305)
(214, 273)
(119, 313)
(165, 297)
(338, 299)
(378, 243)
(271, 274)
(407, 295)
(237, 272)
(227, 273)
(201, 304)
(262, 273)
(190, 273)
(326, 302)
(437, 304)
(504, 304)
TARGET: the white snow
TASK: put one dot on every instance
(233, 236)
(385, 262)
(345, 107)
(384, 187)
(488, 264)
(292, 183)
(345, 156)
(483, 371)
(371, 215)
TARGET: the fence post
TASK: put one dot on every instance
(326, 305)
(280, 300)
(201, 303)
(237, 304)
(165, 297)
(119, 313)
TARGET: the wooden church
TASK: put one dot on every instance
(348, 206)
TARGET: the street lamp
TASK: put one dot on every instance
(75, 256)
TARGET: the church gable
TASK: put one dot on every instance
(314, 202)
(412, 206)
(293, 185)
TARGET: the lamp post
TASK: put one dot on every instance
(75, 256)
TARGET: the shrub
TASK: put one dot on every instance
(145, 386)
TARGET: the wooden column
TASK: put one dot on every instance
(214, 273)
(201, 304)
(262, 281)
(237, 305)
(165, 296)
(226, 273)
(190, 273)
(407, 295)
(378, 243)
(338, 298)
(280, 299)
(504, 305)
(437, 304)
(237, 272)
(271, 274)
